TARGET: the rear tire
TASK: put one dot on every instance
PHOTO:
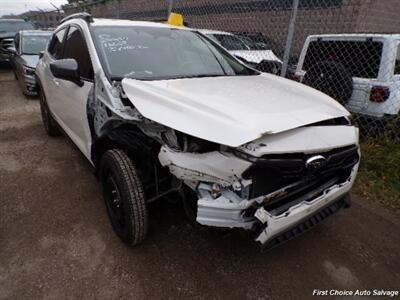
(124, 197)
(49, 124)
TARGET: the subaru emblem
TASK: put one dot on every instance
(315, 163)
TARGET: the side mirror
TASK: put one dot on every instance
(41, 53)
(66, 69)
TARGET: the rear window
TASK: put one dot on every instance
(361, 58)
(231, 42)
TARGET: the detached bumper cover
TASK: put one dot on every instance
(308, 223)
(276, 225)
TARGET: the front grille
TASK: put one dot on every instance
(5, 43)
(276, 171)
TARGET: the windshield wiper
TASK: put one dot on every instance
(173, 77)
(198, 76)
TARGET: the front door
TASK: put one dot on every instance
(73, 99)
(51, 85)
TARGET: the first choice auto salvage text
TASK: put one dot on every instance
(374, 292)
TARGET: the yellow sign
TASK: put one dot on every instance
(175, 19)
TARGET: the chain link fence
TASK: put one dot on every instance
(347, 49)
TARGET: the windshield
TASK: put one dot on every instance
(14, 26)
(154, 53)
(33, 44)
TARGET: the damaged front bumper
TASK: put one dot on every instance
(238, 193)
(229, 210)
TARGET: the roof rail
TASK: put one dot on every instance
(83, 15)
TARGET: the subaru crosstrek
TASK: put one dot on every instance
(161, 110)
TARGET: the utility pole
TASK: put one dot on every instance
(57, 9)
(44, 16)
(289, 40)
(58, 13)
(170, 5)
(118, 8)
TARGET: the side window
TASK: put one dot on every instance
(397, 64)
(56, 44)
(75, 47)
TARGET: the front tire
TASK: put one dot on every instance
(124, 197)
(49, 124)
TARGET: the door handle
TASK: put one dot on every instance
(56, 82)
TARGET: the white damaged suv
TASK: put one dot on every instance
(162, 110)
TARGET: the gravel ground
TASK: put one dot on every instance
(56, 241)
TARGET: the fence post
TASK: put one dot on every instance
(171, 3)
(289, 39)
(118, 9)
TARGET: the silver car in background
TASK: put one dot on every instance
(28, 45)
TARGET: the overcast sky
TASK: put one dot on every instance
(20, 6)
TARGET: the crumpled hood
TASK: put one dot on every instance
(256, 56)
(231, 110)
(30, 60)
